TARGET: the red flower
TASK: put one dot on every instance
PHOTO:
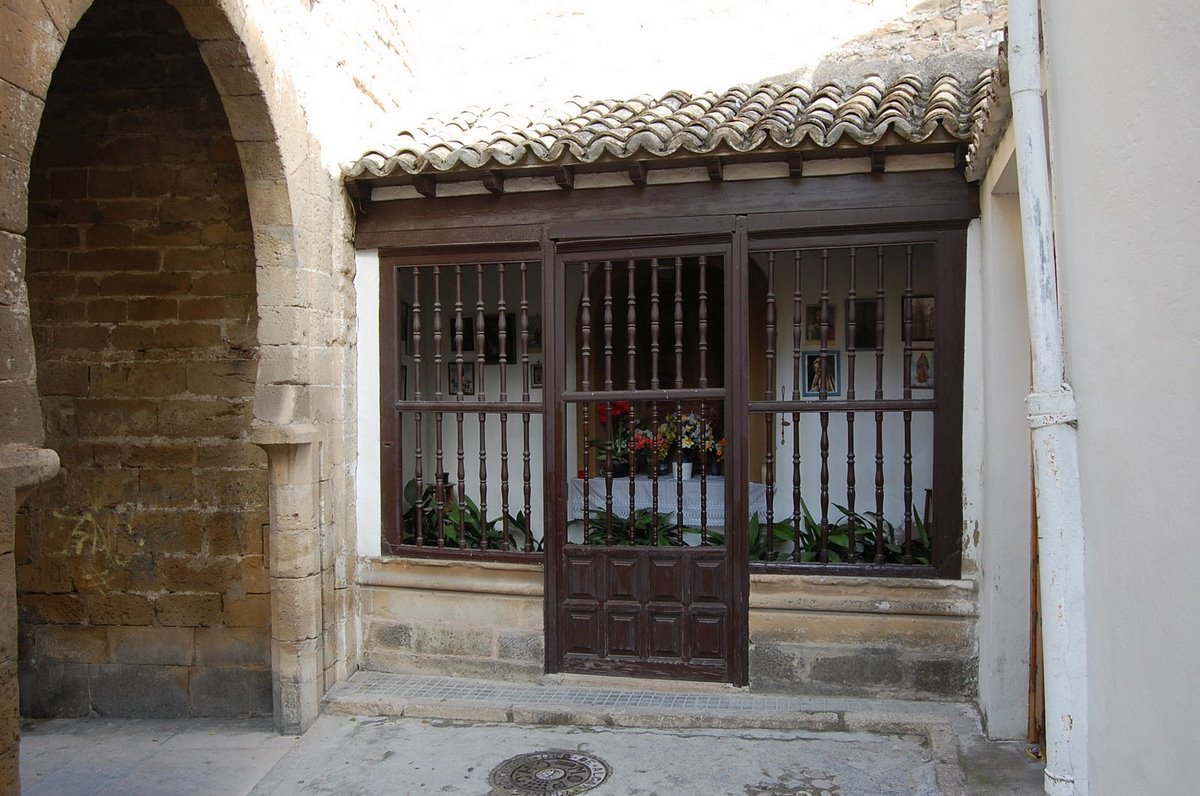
(619, 408)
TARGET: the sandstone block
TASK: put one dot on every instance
(226, 378)
(153, 309)
(166, 488)
(253, 610)
(139, 691)
(144, 284)
(106, 311)
(166, 646)
(51, 609)
(227, 691)
(450, 640)
(204, 418)
(71, 644)
(128, 610)
(230, 646)
(103, 418)
(28, 53)
(296, 608)
(188, 610)
(184, 573)
(187, 335)
(243, 489)
(53, 689)
(19, 115)
(138, 379)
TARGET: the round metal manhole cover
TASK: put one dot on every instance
(555, 772)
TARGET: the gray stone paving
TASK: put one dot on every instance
(407, 734)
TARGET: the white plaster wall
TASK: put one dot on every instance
(368, 508)
(1003, 531)
(1127, 200)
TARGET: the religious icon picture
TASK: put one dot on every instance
(920, 370)
(822, 374)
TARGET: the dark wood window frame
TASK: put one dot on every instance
(922, 207)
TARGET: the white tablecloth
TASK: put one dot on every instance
(643, 498)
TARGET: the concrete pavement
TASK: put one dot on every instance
(395, 734)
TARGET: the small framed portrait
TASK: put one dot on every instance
(865, 334)
(402, 386)
(537, 375)
(535, 334)
(812, 324)
(921, 308)
(920, 369)
(493, 353)
(467, 385)
(468, 333)
(822, 374)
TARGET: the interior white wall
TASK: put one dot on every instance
(1127, 201)
(1004, 530)
(368, 510)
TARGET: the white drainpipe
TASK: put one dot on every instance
(1052, 417)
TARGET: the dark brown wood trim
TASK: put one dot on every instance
(554, 446)
(737, 296)
(950, 255)
(924, 196)
(391, 443)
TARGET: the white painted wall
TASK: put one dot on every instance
(1003, 533)
(1127, 200)
(368, 510)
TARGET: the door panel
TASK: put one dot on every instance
(643, 582)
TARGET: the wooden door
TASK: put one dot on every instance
(641, 567)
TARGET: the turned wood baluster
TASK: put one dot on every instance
(631, 383)
(880, 295)
(908, 329)
(608, 386)
(678, 323)
(481, 395)
(527, 475)
(505, 522)
(585, 384)
(851, 342)
(418, 452)
(769, 418)
(655, 324)
(459, 342)
(440, 489)
(824, 417)
(798, 372)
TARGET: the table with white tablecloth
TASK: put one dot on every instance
(668, 498)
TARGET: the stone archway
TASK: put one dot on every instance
(34, 37)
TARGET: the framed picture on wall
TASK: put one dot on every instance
(536, 375)
(405, 321)
(866, 327)
(920, 369)
(922, 318)
(467, 387)
(822, 372)
(812, 324)
(491, 338)
(535, 334)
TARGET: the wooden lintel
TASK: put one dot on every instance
(565, 177)
(426, 185)
(360, 196)
(716, 169)
(494, 181)
(637, 173)
(878, 155)
(795, 164)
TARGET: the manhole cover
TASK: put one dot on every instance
(555, 772)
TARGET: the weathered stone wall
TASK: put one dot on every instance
(141, 574)
(819, 635)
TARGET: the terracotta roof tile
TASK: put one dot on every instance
(741, 119)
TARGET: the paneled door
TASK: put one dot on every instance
(647, 398)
